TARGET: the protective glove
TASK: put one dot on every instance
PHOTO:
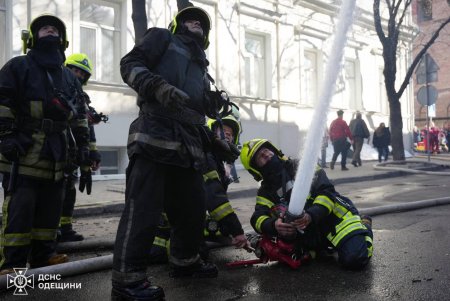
(95, 158)
(226, 150)
(171, 97)
(85, 179)
(14, 146)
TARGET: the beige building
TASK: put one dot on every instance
(269, 55)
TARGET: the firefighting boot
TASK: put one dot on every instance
(142, 291)
(52, 260)
(200, 269)
(68, 234)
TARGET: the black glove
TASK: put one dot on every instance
(14, 146)
(95, 156)
(171, 97)
(226, 150)
(85, 179)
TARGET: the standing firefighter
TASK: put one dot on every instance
(41, 112)
(81, 67)
(330, 220)
(166, 148)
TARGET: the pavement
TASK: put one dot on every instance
(108, 196)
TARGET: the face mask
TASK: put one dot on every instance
(272, 170)
(48, 43)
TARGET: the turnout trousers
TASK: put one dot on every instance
(30, 220)
(152, 188)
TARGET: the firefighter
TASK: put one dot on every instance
(166, 148)
(221, 220)
(42, 116)
(81, 67)
(330, 220)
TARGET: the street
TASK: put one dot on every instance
(411, 257)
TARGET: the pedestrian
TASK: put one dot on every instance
(330, 221)
(339, 135)
(381, 140)
(359, 131)
(323, 149)
(81, 67)
(221, 220)
(166, 149)
(42, 112)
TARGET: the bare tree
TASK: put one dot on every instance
(389, 37)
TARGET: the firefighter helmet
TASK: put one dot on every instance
(82, 62)
(230, 121)
(192, 13)
(47, 19)
(249, 150)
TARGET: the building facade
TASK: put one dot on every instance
(269, 55)
(429, 14)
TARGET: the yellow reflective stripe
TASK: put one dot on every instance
(65, 220)
(82, 123)
(5, 112)
(16, 239)
(36, 109)
(324, 201)
(369, 248)
(211, 175)
(347, 221)
(221, 211)
(264, 202)
(340, 211)
(43, 173)
(336, 239)
(160, 242)
(43, 234)
(92, 146)
(259, 222)
(144, 138)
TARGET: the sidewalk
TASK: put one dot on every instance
(108, 196)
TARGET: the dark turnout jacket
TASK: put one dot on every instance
(164, 135)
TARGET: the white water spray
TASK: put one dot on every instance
(314, 136)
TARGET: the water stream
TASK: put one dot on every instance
(314, 136)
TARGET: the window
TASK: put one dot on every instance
(255, 65)
(351, 84)
(100, 38)
(310, 80)
(3, 33)
(425, 10)
(110, 162)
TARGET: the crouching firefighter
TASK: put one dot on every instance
(330, 221)
(39, 109)
(221, 220)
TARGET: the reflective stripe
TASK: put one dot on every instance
(5, 112)
(42, 169)
(16, 239)
(344, 232)
(160, 242)
(324, 201)
(264, 202)
(144, 138)
(369, 247)
(259, 222)
(347, 221)
(82, 123)
(221, 211)
(65, 220)
(4, 223)
(340, 211)
(92, 146)
(289, 186)
(43, 234)
(36, 110)
(212, 175)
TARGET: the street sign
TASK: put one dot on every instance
(427, 98)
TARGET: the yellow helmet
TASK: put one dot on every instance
(195, 13)
(248, 151)
(230, 121)
(42, 20)
(80, 61)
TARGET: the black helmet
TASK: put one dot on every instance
(47, 19)
(193, 13)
